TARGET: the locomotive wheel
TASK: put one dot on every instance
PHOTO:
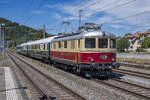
(78, 71)
(65, 67)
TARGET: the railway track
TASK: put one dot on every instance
(133, 73)
(129, 88)
(135, 65)
(43, 95)
(61, 92)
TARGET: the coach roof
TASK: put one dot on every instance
(45, 40)
(85, 34)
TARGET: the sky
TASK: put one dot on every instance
(116, 16)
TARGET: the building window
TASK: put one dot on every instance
(65, 44)
(90, 43)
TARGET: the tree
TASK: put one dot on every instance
(122, 44)
(146, 42)
(127, 34)
(18, 34)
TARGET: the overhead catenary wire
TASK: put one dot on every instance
(114, 7)
(123, 18)
(40, 5)
(92, 4)
(108, 4)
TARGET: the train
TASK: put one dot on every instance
(89, 53)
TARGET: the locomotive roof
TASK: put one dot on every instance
(45, 40)
(84, 34)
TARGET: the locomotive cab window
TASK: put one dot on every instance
(112, 43)
(102, 43)
(90, 43)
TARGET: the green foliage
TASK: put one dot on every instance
(127, 34)
(16, 34)
(146, 42)
(122, 44)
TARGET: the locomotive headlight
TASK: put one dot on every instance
(92, 59)
(113, 59)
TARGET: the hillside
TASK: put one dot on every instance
(16, 34)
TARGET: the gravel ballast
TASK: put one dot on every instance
(87, 88)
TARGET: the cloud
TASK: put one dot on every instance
(53, 6)
(4, 1)
(39, 12)
(57, 16)
(108, 11)
(118, 26)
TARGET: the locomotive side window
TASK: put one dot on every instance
(102, 43)
(59, 44)
(65, 44)
(78, 43)
(72, 44)
(112, 43)
(90, 43)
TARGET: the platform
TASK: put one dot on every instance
(9, 89)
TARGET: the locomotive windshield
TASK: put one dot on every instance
(90, 43)
(102, 43)
(112, 43)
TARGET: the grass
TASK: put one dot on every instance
(38, 62)
(134, 60)
(5, 59)
(0, 58)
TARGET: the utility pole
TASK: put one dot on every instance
(2, 33)
(3, 48)
(44, 30)
(0, 39)
(80, 18)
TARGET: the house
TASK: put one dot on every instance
(135, 41)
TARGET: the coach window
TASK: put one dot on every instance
(90, 43)
(54, 45)
(59, 44)
(44, 47)
(39, 46)
(65, 44)
(102, 43)
(47, 46)
(112, 43)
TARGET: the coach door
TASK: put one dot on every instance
(49, 52)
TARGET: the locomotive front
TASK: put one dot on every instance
(98, 53)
